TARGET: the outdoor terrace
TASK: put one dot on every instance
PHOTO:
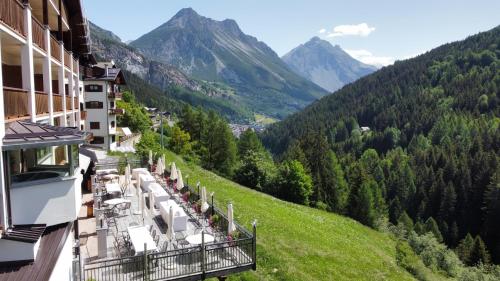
(198, 247)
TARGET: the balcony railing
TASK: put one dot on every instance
(115, 95)
(68, 103)
(12, 14)
(15, 102)
(75, 103)
(41, 103)
(83, 115)
(75, 64)
(58, 103)
(38, 33)
(67, 59)
(55, 48)
(116, 111)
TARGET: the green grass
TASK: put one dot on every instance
(264, 120)
(295, 242)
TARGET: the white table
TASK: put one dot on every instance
(159, 194)
(180, 217)
(146, 180)
(140, 235)
(195, 239)
(116, 201)
(138, 171)
(106, 172)
(113, 188)
(111, 177)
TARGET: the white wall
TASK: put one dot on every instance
(100, 115)
(17, 251)
(48, 203)
(63, 269)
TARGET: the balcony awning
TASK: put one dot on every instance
(25, 134)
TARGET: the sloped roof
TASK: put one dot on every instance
(114, 74)
(25, 134)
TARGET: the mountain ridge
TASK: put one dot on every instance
(219, 51)
(328, 66)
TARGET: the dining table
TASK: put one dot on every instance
(195, 239)
(116, 201)
(113, 188)
(139, 235)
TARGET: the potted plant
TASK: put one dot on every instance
(197, 207)
(213, 221)
(185, 196)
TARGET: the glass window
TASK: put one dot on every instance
(93, 88)
(94, 105)
(95, 125)
(40, 163)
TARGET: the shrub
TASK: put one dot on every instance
(407, 259)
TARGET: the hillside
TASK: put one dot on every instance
(328, 66)
(219, 51)
(164, 83)
(295, 242)
(430, 145)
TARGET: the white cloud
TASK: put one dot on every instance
(367, 57)
(322, 31)
(361, 29)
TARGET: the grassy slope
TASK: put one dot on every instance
(299, 243)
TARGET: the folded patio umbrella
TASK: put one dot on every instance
(204, 204)
(230, 226)
(164, 162)
(180, 182)
(150, 160)
(173, 171)
(138, 195)
(159, 167)
(170, 222)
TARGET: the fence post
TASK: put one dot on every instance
(146, 271)
(203, 255)
(254, 266)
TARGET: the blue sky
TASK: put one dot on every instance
(376, 32)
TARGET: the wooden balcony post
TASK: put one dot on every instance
(62, 88)
(45, 13)
(71, 94)
(27, 63)
(2, 112)
(47, 73)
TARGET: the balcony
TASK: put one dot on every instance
(83, 115)
(55, 48)
(67, 59)
(12, 14)
(15, 103)
(115, 95)
(116, 111)
(58, 102)
(38, 33)
(42, 103)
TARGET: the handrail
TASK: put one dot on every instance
(41, 102)
(67, 59)
(38, 33)
(57, 101)
(12, 13)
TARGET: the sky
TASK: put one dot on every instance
(375, 32)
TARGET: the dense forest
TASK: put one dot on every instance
(416, 142)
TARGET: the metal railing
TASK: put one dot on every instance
(115, 95)
(41, 102)
(68, 103)
(83, 115)
(116, 111)
(12, 14)
(37, 33)
(75, 103)
(15, 102)
(233, 254)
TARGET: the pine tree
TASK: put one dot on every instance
(294, 184)
(479, 253)
(249, 141)
(431, 226)
(405, 221)
(464, 248)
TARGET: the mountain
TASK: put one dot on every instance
(328, 66)
(219, 51)
(421, 136)
(164, 82)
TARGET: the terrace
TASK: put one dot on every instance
(130, 237)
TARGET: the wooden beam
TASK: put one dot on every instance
(45, 12)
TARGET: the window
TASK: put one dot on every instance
(111, 104)
(93, 88)
(95, 125)
(112, 124)
(93, 105)
(97, 140)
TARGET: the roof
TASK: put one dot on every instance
(113, 74)
(25, 233)
(51, 245)
(25, 134)
(126, 131)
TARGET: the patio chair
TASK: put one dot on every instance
(124, 207)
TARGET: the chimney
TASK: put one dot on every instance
(106, 70)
